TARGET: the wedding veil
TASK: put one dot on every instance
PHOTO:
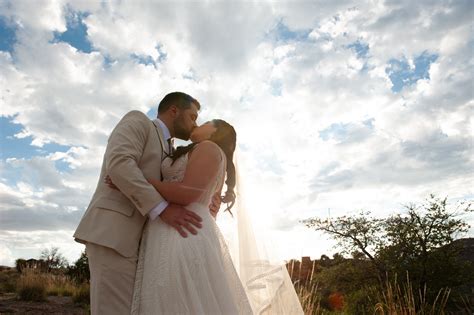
(265, 278)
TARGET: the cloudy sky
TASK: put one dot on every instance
(339, 105)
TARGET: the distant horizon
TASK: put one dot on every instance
(287, 261)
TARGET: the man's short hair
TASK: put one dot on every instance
(179, 99)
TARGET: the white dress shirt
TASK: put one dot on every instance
(158, 209)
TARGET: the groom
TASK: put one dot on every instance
(112, 225)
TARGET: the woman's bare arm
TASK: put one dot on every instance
(201, 170)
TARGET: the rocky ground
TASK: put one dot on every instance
(53, 305)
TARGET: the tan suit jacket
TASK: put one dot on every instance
(115, 219)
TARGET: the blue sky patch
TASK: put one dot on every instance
(348, 133)
(62, 166)
(337, 131)
(369, 123)
(153, 112)
(190, 75)
(163, 55)
(143, 59)
(7, 35)
(76, 33)
(281, 33)
(12, 147)
(108, 61)
(360, 48)
(401, 74)
(149, 60)
(276, 87)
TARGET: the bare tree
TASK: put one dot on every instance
(53, 258)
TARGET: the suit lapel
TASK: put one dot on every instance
(160, 136)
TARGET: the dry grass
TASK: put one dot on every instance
(60, 285)
(403, 300)
(82, 294)
(31, 286)
(310, 300)
(307, 291)
(8, 279)
(393, 299)
(35, 286)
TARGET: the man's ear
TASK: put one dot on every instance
(174, 110)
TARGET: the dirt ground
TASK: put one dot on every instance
(53, 305)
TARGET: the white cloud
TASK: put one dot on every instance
(6, 257)
(29, 244)
(38, 15)
(282, 73)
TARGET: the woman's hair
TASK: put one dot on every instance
(226, 138)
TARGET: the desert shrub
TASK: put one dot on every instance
(60, 291)
(31, 286)
(420, 241)
(53, 292)
(59, 285)
(67, 292)
(362, 301)
(79, 271)
(81, 294)
(8, 286)
(19, 264)
(8, 279)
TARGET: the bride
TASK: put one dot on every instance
(196, 275)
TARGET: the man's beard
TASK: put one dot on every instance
(180, 130)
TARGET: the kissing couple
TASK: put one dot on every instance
(150, 233)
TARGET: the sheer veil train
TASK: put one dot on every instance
(265, 278)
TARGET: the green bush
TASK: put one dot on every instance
(359, 302)
(79, 272)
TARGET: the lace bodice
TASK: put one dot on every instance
(174, 172)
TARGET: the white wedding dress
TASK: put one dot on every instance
(193, 275)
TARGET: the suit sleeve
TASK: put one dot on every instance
(122, 156)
